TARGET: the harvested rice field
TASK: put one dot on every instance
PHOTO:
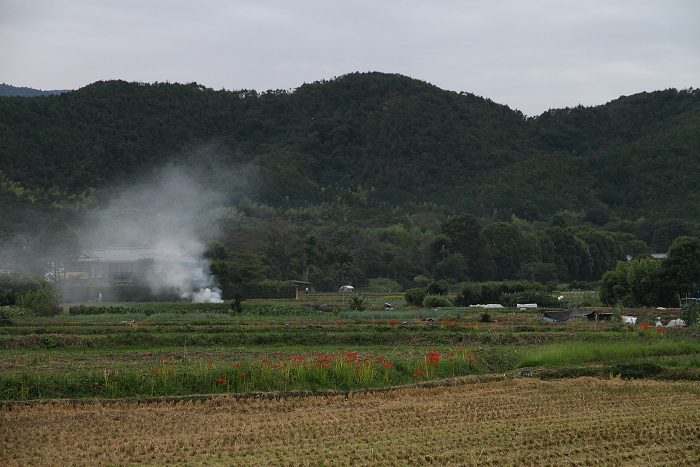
(512, 422)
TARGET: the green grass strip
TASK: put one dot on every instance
(581, 353)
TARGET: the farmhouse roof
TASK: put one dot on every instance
(126, 255)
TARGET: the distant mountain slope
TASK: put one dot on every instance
(8, 90)
(374, 139)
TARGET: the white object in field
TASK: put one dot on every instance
(676, 323)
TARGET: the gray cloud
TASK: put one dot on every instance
(530, 55)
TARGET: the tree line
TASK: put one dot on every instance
(646, 281)
(457, 249)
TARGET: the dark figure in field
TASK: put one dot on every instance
(236, 303)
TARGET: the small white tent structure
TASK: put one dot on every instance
(346, 288)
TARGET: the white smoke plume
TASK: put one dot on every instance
(173, 213)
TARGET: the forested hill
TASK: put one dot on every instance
(370, 138)
(9, 90)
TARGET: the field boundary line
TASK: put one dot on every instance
(446, 382)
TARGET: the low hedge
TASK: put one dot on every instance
(494, 292)
(259, 290)
(81, 293)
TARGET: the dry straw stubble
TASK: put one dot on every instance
(514, 422)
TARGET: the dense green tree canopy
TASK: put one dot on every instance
(682, 266)
(369, 138)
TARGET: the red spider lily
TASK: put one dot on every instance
(388, 365)
(393, 321)
(236, 365)
(211, 362)
(264, 361)
(155, 369)
(646, 326)
(221, 380)
(433, 358)
(142, 324)
(243, 374)
(473, 361)
(277, 366)
(340, 323)
(660, 329)
(416, 373)
(172, 367)
(298, 357)
(163, 357)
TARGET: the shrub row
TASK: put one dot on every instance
(282, 310)
(436, 301)
(153, 308)
(259, 290)
(494, 292)
(187, 308)
(13, 285)
(543, 299)
(9, 312)
(508, 294)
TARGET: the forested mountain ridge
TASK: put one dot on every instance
(392, 138)
(365, 176)
(9, 90)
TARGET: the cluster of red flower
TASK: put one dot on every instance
(433, 358)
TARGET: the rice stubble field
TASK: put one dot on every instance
(516, 421)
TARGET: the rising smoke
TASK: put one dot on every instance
(173, 211)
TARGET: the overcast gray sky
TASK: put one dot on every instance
(531, 55)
